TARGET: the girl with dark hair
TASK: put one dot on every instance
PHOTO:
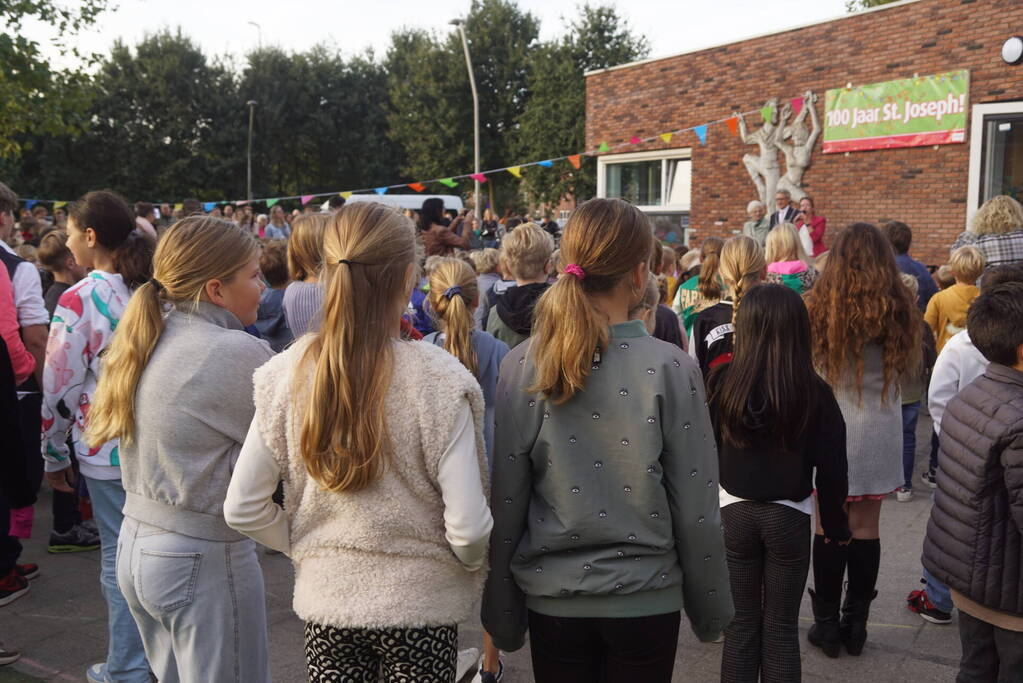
(605, 476)
(866, 337)
(775, 421)
(101, 236)
(438, 238)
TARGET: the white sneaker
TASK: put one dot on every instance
(487, 677)
(903, 495)
(466, 660)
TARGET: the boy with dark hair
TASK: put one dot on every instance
(901, 237)
(974, 540)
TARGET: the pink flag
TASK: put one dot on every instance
(797, 105)
(479, 177)
(635, 140)
(308, 198)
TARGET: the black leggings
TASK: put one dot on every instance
(402, 655)
(603, 650)
(768, 549)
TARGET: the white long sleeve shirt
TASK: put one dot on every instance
(958, 364)
(249, 507)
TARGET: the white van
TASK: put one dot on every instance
(404, 201)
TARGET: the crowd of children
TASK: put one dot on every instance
(594, 434)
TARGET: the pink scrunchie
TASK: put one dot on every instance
(573, 269)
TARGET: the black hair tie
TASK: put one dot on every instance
(156, 283)
(352, 263)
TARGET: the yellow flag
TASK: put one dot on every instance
(345, 195)
(666, 137)
(515, 171)
(57, 205)
(179, 207)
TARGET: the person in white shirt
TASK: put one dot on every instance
(783, 212)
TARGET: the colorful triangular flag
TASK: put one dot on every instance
(666, 137)
(181, 207)
(701, 132)
(380, 190)
(271, 202)
(576, 160)
(208, 206)
(57, 205)
(634, 140)
(604, 147)
(345, 195)
(797, 105)
(307, 198)
(767, 112)
(448, 182)
(515, 171)
(733, 125)
(29, 203)
(547, 163)
(418, 187)
(478, 177)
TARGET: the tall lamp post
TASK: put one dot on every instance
(460, 23)
(259, 29)
(252, 113)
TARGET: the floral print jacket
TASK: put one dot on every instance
(83, 324)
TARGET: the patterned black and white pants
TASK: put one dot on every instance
(768, 550)
(361, 655)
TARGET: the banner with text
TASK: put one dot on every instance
(910, 112)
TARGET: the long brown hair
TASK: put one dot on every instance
(305, 246)
(453, 291)
(858, 299)
(192, 252)
(368, 249)
(710, 255)
(606, 238)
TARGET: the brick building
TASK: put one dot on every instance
(706, 187)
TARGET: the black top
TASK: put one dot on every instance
(763, 472)
(52, 296)
(515, 306)
(666, 326)
(712, 336)
(15, 477)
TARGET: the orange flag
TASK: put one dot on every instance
(418, 187)
(733, 125)
(575, 160)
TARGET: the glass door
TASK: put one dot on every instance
(1002, 160)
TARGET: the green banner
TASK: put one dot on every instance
(910, 112)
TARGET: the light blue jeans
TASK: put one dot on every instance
(200, 605)
(938, 593)
(126, 658)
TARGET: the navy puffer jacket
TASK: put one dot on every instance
(974, 538)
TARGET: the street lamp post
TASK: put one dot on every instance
(460, 23)
(259, 30)
(252, 112)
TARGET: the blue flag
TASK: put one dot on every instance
(208, 206)
(701, 132)
(380, 190)
(546, 164)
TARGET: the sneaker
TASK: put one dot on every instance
(486, 676)
(465, 662)
(12, 587)
(930, 478)
(8, 656)
(77, 539)
(903, 494)
(27, 571)
(90, 526)
(919, 602)
(97, 673)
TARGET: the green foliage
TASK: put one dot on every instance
(857, 5)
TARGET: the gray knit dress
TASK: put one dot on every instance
(873, 428)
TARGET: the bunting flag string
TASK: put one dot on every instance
(701, 131)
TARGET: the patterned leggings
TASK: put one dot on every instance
(768, 549)
(357, 655)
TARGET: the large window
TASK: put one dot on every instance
(659, 183)
(996, 153)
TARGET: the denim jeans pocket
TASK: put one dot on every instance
(166, 581)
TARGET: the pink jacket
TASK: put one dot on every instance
(818, 224)
(21, 360)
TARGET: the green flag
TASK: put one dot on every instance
(271, 202)
(604, 147)
(448, 181)
(767, 112)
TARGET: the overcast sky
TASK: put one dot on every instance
(221, 26)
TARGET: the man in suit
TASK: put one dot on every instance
(784, 212)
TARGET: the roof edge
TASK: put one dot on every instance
(649, 60)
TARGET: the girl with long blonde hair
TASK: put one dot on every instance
(379, 444)
(605, 491)
(787, 262)
(303, 297)
(742, 267)
(177, 393)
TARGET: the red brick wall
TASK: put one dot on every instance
(925, 187)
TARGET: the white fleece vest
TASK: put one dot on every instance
(377, 557)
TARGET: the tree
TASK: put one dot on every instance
(553, 122)
(33, 96)
(857, 5)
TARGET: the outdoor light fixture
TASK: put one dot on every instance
(1012, 50)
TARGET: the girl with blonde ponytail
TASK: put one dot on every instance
(177, 393)
(703, 290)
(604, 474)
(379, 444)
(742, 267)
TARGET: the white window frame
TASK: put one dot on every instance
(979, 112)
(663, 155)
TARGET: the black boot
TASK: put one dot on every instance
(855, 612)
(825, 630)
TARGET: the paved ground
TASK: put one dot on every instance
(60, 625)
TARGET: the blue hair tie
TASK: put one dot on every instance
(452, 292)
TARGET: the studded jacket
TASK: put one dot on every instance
(606, 505)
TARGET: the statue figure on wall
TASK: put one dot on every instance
(764, 170)
(797, 155)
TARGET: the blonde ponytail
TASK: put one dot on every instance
(742, 266)
(453, 289)
(368, 252)
(710, 257)
(191, 253)
(602, 242)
